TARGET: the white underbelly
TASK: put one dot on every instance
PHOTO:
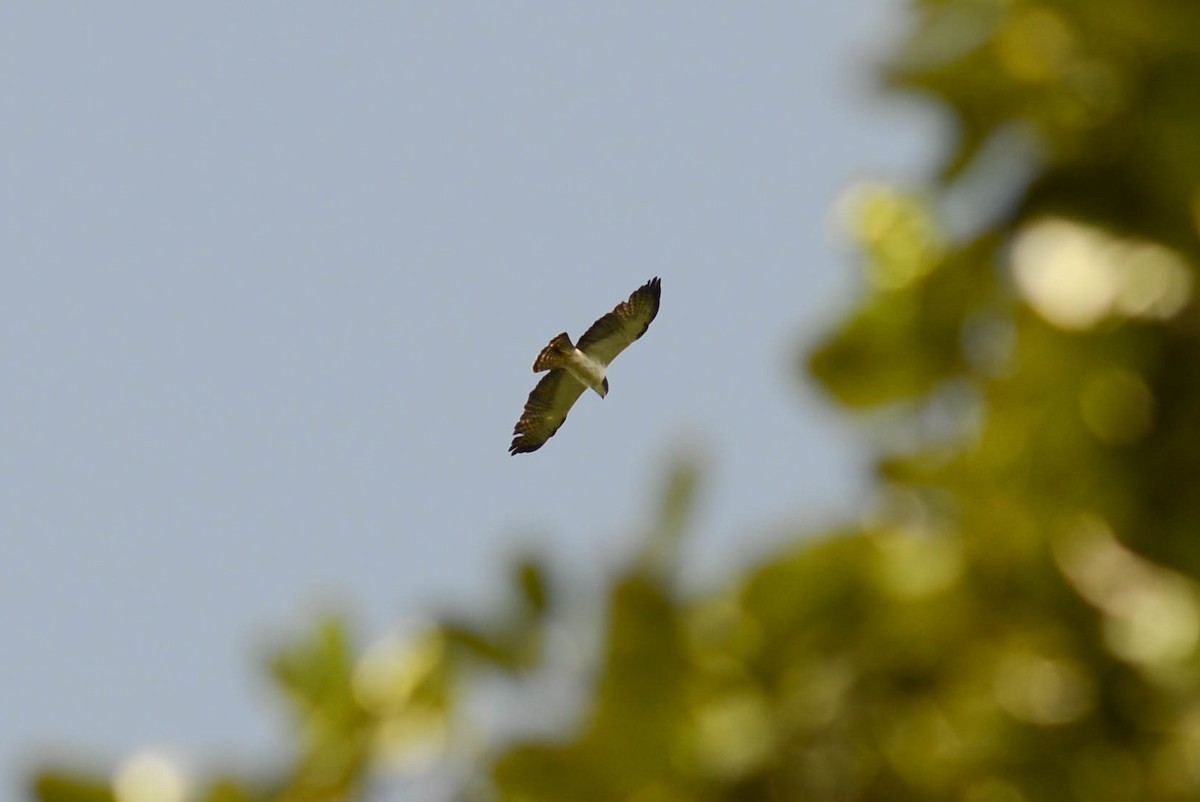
(586, 369)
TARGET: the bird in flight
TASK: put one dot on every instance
(574, 368)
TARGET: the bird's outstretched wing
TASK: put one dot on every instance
(545, 410)
(613, 333)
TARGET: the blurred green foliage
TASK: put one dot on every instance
(1015, 617)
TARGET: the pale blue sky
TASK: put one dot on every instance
(275, 275)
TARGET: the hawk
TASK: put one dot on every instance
(574, 368)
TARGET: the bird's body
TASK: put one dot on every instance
(572, 368)
(586, 371)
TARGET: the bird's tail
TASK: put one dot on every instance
(554, 354)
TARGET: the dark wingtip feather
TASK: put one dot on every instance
(653, 290)
(522, 445)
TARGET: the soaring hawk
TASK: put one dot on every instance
(574, 368)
